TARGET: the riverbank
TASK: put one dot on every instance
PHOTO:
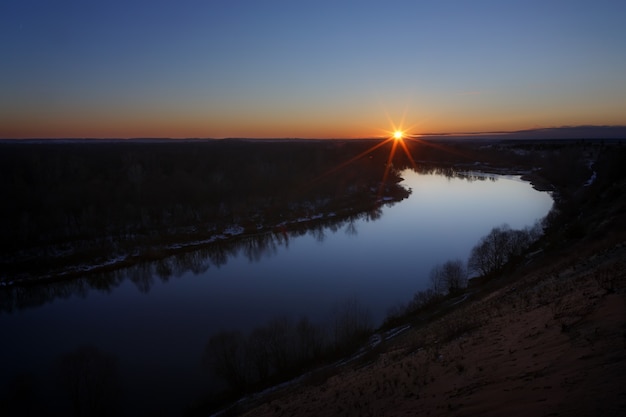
(546, 343)
(546, 337)
(52, 264)
(79, 207)
(83, 207)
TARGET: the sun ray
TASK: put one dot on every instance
(398, 136)
(349, 161)
(388, 166)
(437, 146)
(408, 153)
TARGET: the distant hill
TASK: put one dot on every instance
(566, 132)
(573, 132)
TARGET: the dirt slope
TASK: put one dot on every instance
(548, 344)
(547, 340)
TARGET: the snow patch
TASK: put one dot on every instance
(234, 230)
(593, 176)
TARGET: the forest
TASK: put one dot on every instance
(80, 205)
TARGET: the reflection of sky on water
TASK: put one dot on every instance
(384, 263)
(159, 336)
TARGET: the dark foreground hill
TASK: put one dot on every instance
(552, 343)
(547, 337)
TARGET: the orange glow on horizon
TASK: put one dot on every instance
(366, 119)
(196, 124)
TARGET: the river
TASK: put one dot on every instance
(153, 321)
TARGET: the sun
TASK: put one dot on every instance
(398, 135)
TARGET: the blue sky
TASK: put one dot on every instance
(307, 69)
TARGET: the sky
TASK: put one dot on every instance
(308, 69)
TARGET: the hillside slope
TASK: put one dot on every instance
(548, 338)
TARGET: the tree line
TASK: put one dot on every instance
(197, 259)
(284, 348)
(70, 201)
(499, 249)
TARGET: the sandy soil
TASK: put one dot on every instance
(552, 342)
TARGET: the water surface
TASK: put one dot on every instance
(157, 328)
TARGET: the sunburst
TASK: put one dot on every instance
(398, 135)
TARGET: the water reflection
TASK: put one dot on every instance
(158, 316)
(253, 247)
(197, 261)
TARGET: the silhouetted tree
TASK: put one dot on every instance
(490, 254)
(352, 322)
(436, 279)
(455, 275)
(449, 277)
(424, 299)
(259, 354)
(279, 340)
(226, 356)
(309, 340)
(497, 248)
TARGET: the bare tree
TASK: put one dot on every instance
(351, 322)
(309, 341)
(279, 340)
(436, 279)
(490, 254)
(225, 355)
(454, 276)
(423, 299)
(449, 277)
(498, 247)
(259, 353)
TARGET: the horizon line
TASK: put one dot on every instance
(534, 132)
